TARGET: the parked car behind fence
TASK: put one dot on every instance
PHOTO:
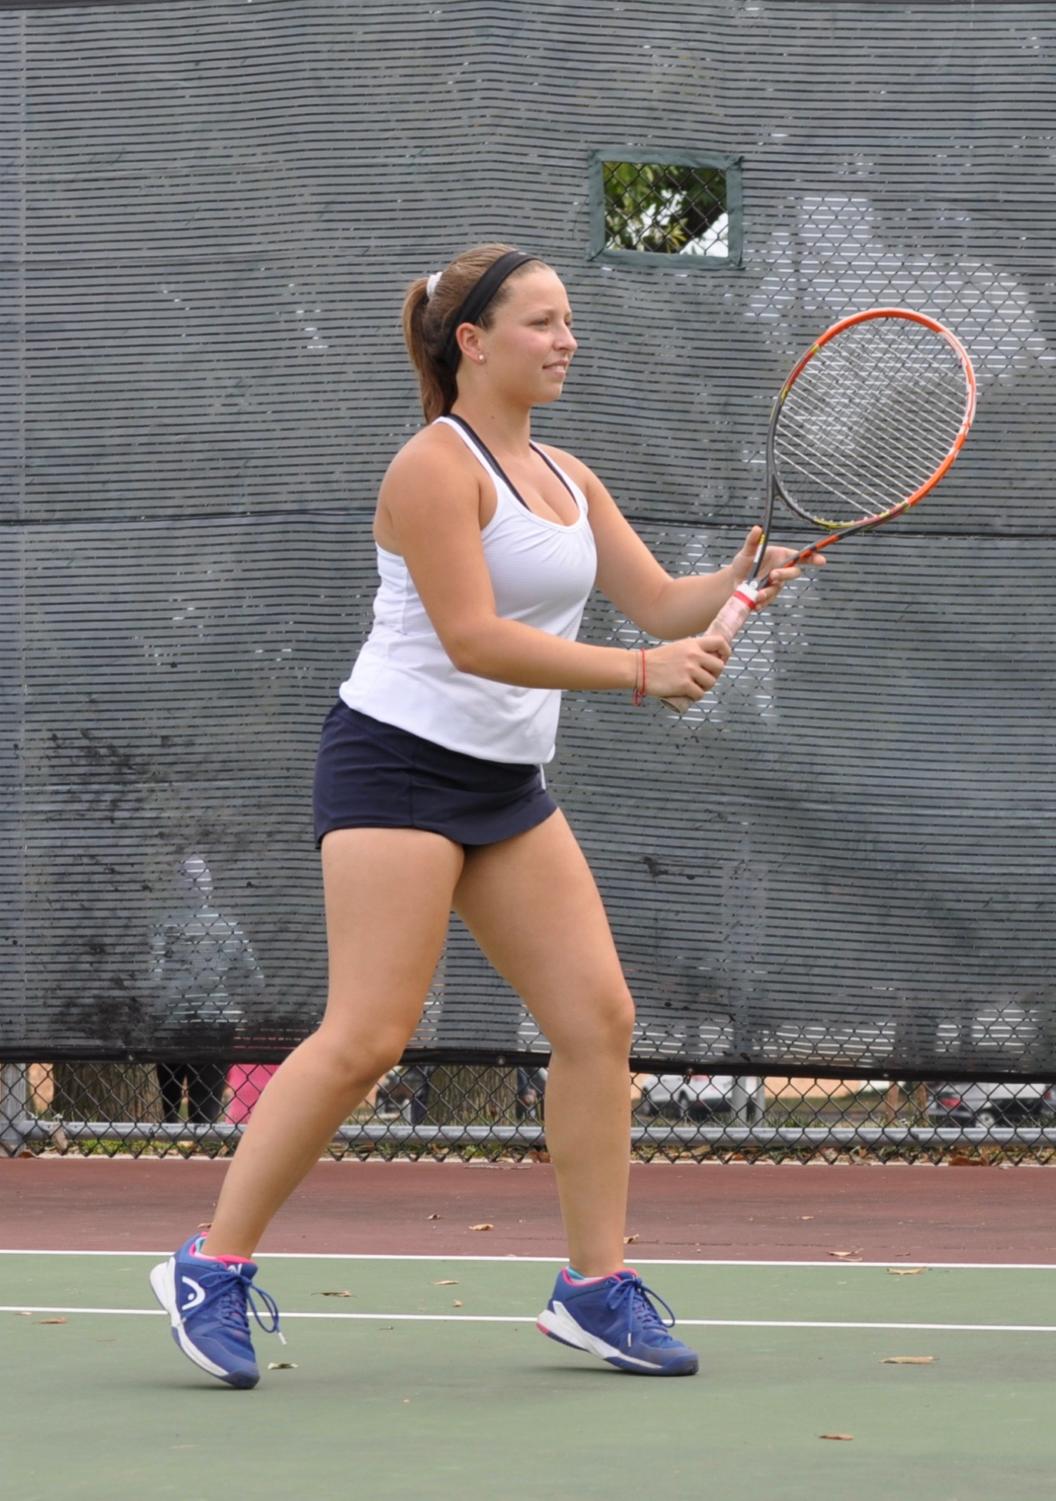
(986, 1105)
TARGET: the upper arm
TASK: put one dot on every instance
(628, 574)
(431, 498)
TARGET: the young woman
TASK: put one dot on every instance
(429, 796)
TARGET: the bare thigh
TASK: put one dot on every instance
(388, 895)
(533, 906)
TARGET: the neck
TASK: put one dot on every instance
(505, 429)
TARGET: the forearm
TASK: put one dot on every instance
(511, 652)
(687, 606)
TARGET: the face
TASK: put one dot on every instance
(530, 344)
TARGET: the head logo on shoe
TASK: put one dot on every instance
(197, 1294)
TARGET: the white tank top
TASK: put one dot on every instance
(541, 571)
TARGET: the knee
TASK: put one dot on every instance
(618, 1021)
(360, 1058)
(604, 1026)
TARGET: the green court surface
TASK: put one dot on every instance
(399, 1392)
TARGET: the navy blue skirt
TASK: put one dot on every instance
(371, 775)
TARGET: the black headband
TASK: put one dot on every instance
(478, 298)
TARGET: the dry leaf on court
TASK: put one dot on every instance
(51, 1321)
(842, 1437)
(457, 1303)
(905, 1271)
(336, 1293)
(909, 1360)
(447, 1282)
(281, 1365)
(845, 1255)
(482, 1227)
(432, 1216)
(630, 1240)
(806, 1216)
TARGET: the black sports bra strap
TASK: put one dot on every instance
(551, 465)
(492, 460)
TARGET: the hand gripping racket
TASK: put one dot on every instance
(869, 421)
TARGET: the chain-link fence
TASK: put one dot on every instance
(495, 1112)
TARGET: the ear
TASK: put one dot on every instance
(468, 337)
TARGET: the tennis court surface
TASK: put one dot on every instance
(864, 1332)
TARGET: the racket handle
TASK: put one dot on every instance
(728, 623)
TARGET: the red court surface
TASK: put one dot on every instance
(729, 1212)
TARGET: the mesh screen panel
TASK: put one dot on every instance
(842, 860)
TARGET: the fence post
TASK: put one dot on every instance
(15, 1119)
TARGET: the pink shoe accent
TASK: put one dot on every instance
(224, 1260)
(588, 1281)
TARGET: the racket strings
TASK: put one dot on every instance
(864, 423)
(911, 400)
(868, 486)
(873, 415)
(876, 356)
(889, 480)
(803, 456)
(837, 404)
(905, 403)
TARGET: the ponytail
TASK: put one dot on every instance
(436, 382)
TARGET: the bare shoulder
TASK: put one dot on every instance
(432, 475)
(434, 451)
(433, 467)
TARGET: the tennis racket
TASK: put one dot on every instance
(868, 422)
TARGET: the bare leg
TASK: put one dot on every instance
(532, 905)
(388, 899)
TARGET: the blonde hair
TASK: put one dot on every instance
(426, 322)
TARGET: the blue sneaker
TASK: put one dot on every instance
(615, 1319)
(206, 1302)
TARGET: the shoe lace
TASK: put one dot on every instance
(630, 1299)
(237, 1295)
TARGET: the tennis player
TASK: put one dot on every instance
(430, 795)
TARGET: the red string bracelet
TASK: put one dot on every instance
(638, 696)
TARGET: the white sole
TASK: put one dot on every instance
(163, 1283)
(560, 1323)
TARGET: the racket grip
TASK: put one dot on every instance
(728, 622)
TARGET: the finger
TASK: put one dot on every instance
(708, 676)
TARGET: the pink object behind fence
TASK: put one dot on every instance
(246, 1082)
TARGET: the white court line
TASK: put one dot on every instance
(834, 1262)
(484, 1318)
